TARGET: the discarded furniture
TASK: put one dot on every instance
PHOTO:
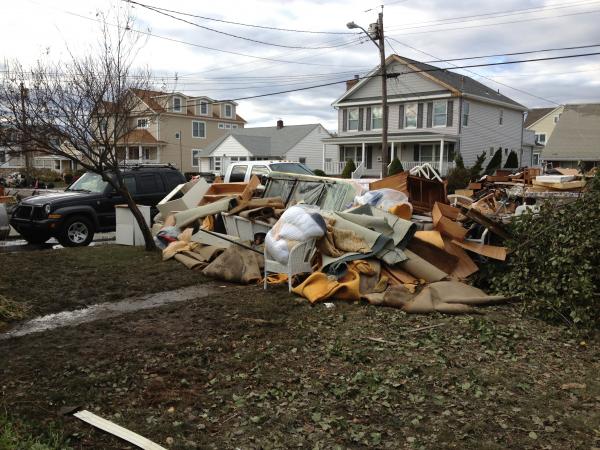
(298, 262)
(245, 229)
(128, 230)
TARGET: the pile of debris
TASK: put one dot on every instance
(397, 243)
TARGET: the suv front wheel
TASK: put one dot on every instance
(76, 231)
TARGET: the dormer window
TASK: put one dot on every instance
(142, 123)
(227, 110)
(203, 108)
(176, 104)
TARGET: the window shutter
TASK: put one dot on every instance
(420, 115)
(401, 116)
(369, 157)
(344, 119)
(360, 119)
(416, 152)
(429, 115)
(450, 113)
(368, 124)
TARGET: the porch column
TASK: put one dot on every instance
(126, 153)
(392, 155)
(323, 165)
(139, 152)
(363, 155)
(441, 155)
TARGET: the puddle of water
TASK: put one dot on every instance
(107, 310)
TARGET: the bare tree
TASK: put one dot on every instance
(86, 104)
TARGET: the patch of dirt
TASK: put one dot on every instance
(56, 280)
(249, 369)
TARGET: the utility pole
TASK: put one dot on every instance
(377, 37)
(385, 161)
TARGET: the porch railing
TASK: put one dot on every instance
(334, 167)
(359, 172)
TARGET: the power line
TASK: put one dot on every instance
(192, 44)
(245, 38)
(501, 23)
(483, 76)
(248, 24)
(497, 14)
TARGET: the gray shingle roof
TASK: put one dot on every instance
(462, 83)
(535, 114)
(576, 136)
(265, 141)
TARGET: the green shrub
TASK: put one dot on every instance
(43, 175)
(458, 178)
(459, 163)
(553, 266)
(395, 167)
(319, 173)
(494, 163)
(475, 170)
(348, 169)
(512, 162)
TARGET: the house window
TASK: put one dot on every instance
(198, 129)
(178, 135)
(215, 163)
(536, 159)
(57, 165)
(491, 151)
(410, 115)
(501, 117)
(228, 110)
(2, 157)
(142, 123)
(133, 153)
(540, 138)
(440, 114)
(234, 125)
(176, 104)
(556, 118)
(465, 114)
(376, 118)
(353, 119)
(302, 160)
(203, 108)
(196, 157)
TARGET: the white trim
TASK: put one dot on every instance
(396, 100)
(224, 109)
(494, 102)
(198, 137)
(462, 114)
(197, 157)
(198, 108)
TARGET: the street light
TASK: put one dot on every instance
(376, 36)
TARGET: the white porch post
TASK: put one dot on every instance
(139, 152)
(323, 165)
(126, 153)
(441, 155)
(392, 156)
(363, 155)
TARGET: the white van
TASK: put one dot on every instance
(242, 171)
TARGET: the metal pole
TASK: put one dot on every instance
(385, 161)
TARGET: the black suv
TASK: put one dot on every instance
(88, 205)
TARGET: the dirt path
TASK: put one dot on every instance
(242, 368)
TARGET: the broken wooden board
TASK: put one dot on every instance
(495, 227)
(432, 236)
(397, 182)
(489, 251)
(465, 192)
(474, 186)
(466, 267)
(446, 225)
(441, 259)
(566, 185)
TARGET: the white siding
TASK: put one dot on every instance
(484, 131)
(311, 148)
(404, 84)
(230, 147)
(394, 119)
(204, 164)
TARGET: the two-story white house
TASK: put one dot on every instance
(433, 113)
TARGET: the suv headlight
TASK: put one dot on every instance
(47, 209)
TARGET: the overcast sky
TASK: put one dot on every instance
(427, 27)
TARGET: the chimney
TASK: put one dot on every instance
(279, 124)
(352, 82)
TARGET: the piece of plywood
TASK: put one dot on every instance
(433, 254)
(489, 251)
(432, 236)
(474, 186)
(465, 192)
(397, 181)
(466, 266)
(444, 224)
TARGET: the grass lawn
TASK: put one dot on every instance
(249, 369)
(43, 282)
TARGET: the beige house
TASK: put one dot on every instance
(542, 122)
(176, 128)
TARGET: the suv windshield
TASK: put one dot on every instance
(291, 168)
(89, 182)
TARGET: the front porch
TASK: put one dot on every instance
(138, 154)
(367, 155)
